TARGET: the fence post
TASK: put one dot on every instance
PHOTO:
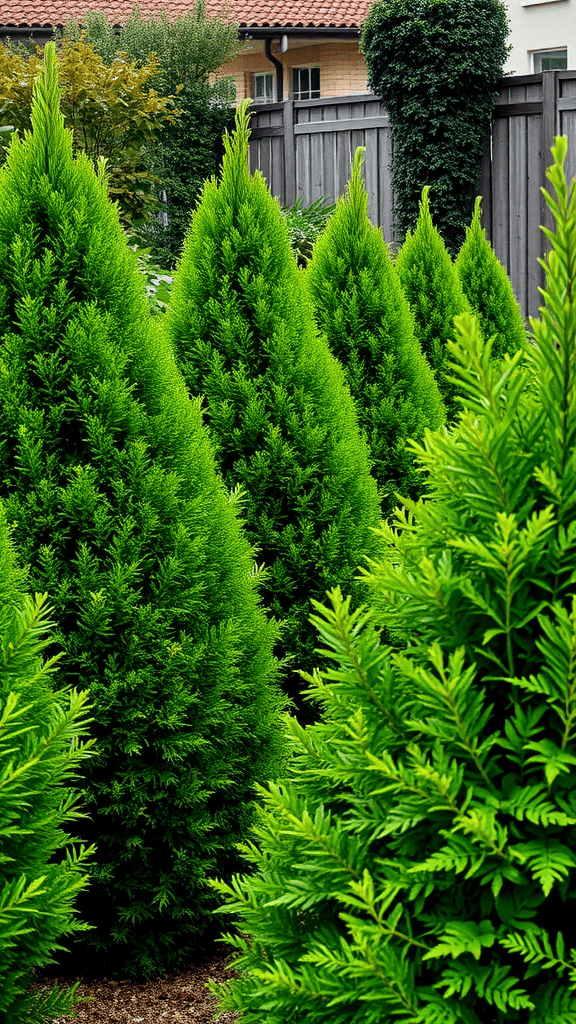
(289, 154)
(549, 130)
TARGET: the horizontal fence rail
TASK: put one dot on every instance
(305, 150)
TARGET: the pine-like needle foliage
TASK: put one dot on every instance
(419, 864)
(42, 743)
(366, 319)
(432, 287)
(280, 412)
(488, 289)
(109, 480)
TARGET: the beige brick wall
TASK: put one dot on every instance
(342, 67)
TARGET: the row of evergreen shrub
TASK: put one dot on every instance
(109, 483)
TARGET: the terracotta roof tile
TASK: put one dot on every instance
(283, 13)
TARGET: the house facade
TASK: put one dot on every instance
(308, 49)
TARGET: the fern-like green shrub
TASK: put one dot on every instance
(487, 287)
(109, 480)
(305, 224)
(42, 744)
(360, 307)
(277, 404)
(419, 863)
(432, 287)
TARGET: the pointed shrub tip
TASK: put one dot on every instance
(45, 115)
(356, 192)
(236, 143)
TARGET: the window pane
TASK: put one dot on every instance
(550, 60)
(270, 88)
(315, 82)
(554, 63)
(305, 80)
(295, 82)
(259, 84)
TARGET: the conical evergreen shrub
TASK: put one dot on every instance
(487, 287)
(109, 479)
(42, 744)
(432, 287)
(419, 864)
(360, 307)
(281, 415)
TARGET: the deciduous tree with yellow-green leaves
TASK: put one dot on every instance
(112, 110)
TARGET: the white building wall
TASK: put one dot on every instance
(537, 25)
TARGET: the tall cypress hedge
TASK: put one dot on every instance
(433, 289)
(42, 747)
(361, 308)
(436, 64)
(277, 404)
(109, 481)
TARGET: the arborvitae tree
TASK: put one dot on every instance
(110, 482)
(433, 289)
(419, 865)
(277, 404)
(361, 308)
(487, 287)
(42, 743)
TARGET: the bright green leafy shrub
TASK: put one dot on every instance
(42, 743)
(360, 307)
(432, 287)
(280, 413)
(488, 289)
(419, 864)
(109, 479)
(436, 64)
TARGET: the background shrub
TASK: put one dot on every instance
(111, 110)
(109, 480)
(432, 287)
(436, 65)
(42, 744)
(280, 413)
(419, 863)
(487, 287)
(189, 49)
(360, 307)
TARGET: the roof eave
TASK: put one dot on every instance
(302, 31)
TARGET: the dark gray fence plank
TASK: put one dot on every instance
(534, 235)
(305, 149)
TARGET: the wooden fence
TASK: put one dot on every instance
(305, 149)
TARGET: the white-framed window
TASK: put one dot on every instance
(550, 60)
(264, 87)
(306, 83)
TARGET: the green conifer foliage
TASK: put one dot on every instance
(488, 289)
(42, 743)
(360, 307)
(282, 417)
(110, 482)
(419, 864)
(433, 289)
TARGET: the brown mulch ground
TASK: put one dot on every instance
(179, 998)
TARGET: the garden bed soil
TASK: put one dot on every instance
(178, 998)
